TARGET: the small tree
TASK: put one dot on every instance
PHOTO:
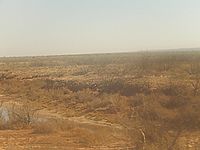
(23, 114)
(195, 83)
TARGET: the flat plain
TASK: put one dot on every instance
(142, 100)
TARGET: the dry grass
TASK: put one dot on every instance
(44, 128)
(153, 96)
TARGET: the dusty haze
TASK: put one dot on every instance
(46, 27)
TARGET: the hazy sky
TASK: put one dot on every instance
(41, 27)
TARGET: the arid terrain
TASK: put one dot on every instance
(124, 101)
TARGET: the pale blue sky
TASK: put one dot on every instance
(42, 27)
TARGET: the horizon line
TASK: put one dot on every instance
(99, 53)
